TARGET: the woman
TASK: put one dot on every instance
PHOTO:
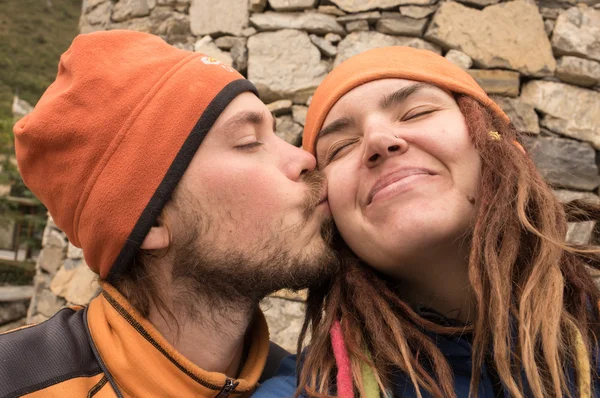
(465, 285)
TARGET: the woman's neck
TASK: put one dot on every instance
(441, 282)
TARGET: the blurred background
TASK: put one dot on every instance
(540, 60)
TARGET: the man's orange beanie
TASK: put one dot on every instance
(109, 140)
(385, 63)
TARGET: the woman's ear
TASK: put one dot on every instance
(157, 238)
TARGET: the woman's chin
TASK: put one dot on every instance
(399, 241)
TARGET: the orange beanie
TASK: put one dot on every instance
(385, 63)
(109, 140)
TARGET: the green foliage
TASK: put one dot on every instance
(9, 174)
(32, 38)
(33, 35)
(16, 273)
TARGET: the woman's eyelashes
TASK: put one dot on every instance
(416, 113)
(338, 149)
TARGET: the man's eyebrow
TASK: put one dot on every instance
(335, 127)
(240, 119)
(401, 95)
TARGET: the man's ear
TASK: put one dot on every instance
(157, 238)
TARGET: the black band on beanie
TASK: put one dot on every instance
(175, 172)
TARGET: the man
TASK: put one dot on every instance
(163, 166)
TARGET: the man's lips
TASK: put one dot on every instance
(395, 176)
(323, 196)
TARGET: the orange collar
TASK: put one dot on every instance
(144, 364)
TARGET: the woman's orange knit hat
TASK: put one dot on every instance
(385, 63)
(109, 140)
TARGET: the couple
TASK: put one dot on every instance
(446, 275)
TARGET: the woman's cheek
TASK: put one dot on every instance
(338, 190)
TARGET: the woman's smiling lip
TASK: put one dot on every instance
(393, 178)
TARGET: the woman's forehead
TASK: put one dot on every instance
(374, 93)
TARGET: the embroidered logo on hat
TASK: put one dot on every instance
(213, 61)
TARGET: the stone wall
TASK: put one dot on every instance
(540, 61)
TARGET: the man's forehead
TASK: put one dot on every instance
(254, 116)
(243, 102)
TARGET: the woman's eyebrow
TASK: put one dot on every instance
(401, 95)
(335, 127)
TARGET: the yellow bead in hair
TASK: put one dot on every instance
(494, 135)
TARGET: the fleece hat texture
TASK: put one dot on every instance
(110, 139)
(388, 63)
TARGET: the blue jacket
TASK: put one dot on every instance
(457, 349)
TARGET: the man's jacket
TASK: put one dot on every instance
(108, 350)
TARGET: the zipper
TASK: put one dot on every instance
(228, 388)
(115, 304)
(107, 376)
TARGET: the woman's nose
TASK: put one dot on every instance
(381, 146)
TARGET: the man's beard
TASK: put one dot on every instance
(226, 276)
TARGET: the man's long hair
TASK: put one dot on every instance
(536, 303)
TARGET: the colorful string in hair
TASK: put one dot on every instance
(345, 385)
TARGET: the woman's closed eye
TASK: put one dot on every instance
(339, 149)
(417, 113)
